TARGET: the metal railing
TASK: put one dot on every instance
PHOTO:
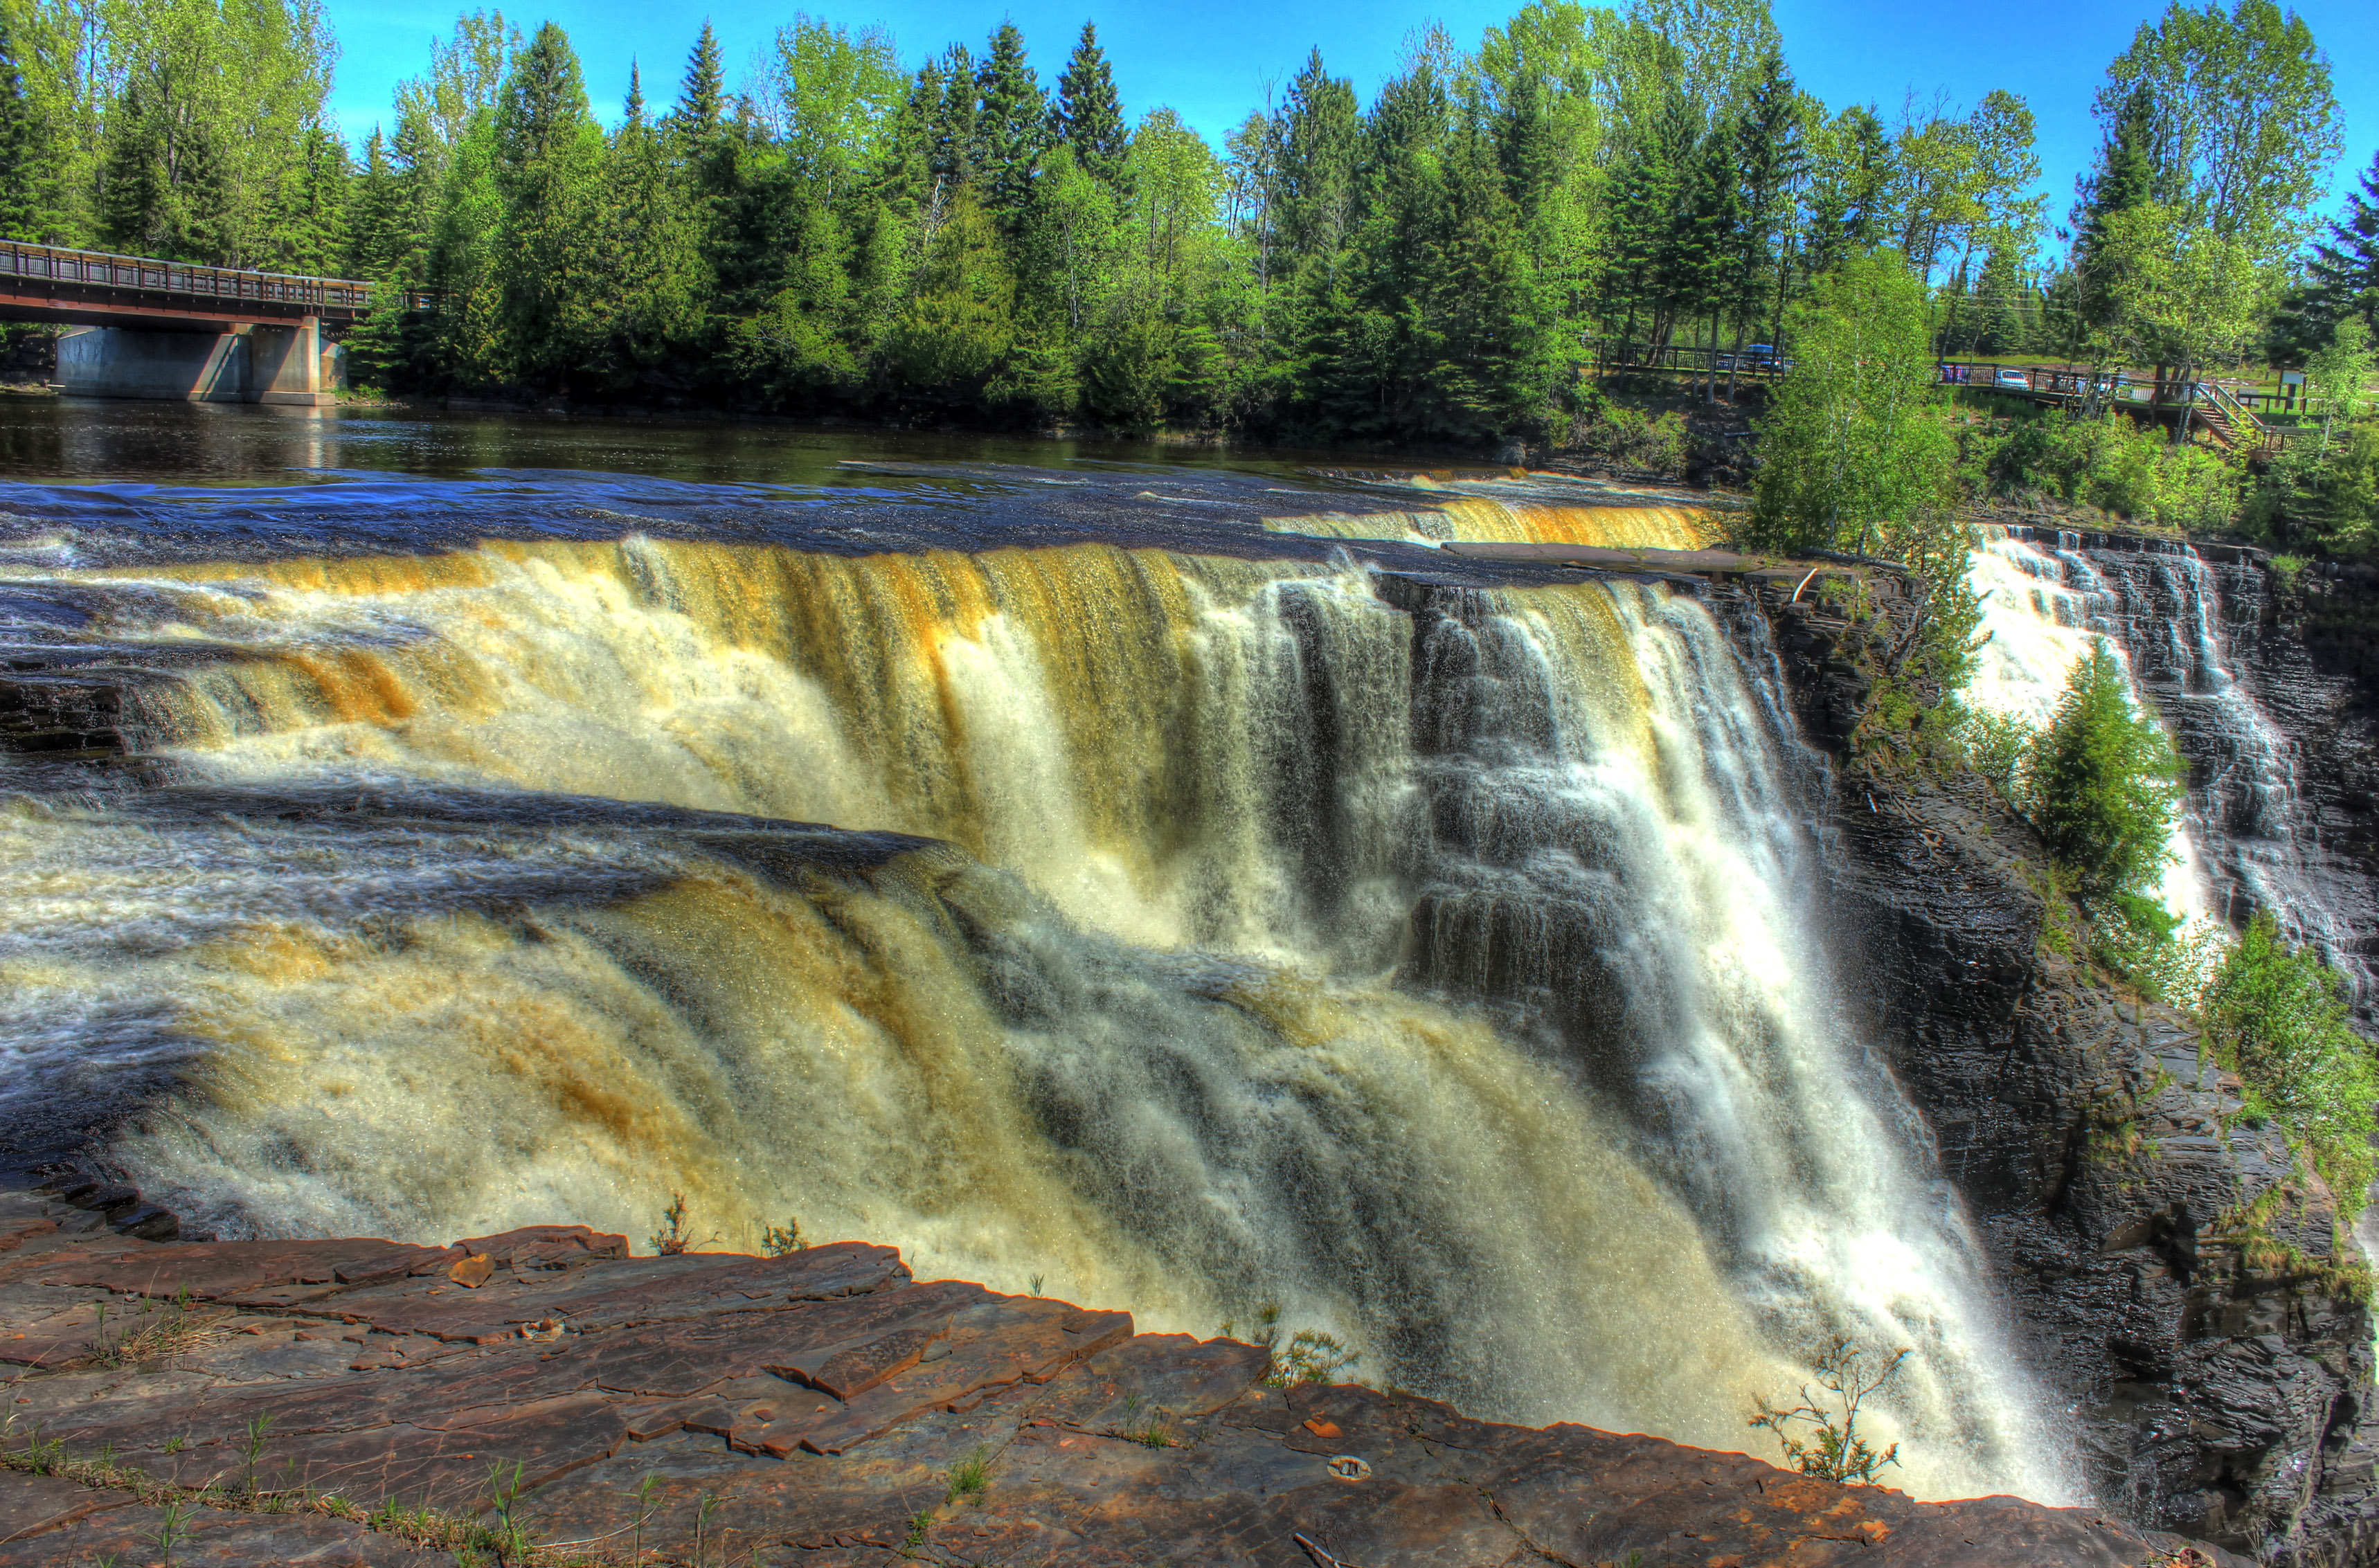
(145, 274)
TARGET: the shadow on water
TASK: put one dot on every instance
(59, 439)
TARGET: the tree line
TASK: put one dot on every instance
(840, 233)
(960, 238)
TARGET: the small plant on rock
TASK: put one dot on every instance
(777, 1241)
(512, 1542)
(253, 1444)
(1312, 1356)
(969, 1475)
(676, 1235)
(172, 1527)
(1835, 1452)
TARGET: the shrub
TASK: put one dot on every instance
(1834, 1452)
(2105, 786)
(2276, 1014)
(2109, 462)
(1628, 436)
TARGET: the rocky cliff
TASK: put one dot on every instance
(2173, 1278)
(543, 1397)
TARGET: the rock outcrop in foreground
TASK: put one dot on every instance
(373, 1403)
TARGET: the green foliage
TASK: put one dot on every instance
(1429, 266)
(2000, 747)
(1834, 1452)
(214, 145)
(1856, 454)
(970, 1477)
(1623, 433)
(2276, 1016)
(2104, 784)
(1088, 115)
(2344, 267)
(2242, 126)
(2109, 462)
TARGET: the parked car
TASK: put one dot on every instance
(1754, 356)
(2010, 378)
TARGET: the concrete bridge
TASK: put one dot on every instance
(144, 328)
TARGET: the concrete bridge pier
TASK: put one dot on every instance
(284, 363)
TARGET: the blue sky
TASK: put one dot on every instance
(1212, 61)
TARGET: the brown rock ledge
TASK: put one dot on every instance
(811, 1409)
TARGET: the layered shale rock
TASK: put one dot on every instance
(347, 1402)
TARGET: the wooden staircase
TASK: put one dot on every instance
(2229, 421)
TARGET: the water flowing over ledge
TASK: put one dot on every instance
(1435, 960)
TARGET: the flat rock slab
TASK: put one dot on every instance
(815, 1409)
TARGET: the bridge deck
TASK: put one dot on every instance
(44, 283)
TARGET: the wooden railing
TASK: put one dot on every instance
(1751, 360)
(229, 285)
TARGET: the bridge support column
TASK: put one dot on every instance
(284, 363)
(119, 362)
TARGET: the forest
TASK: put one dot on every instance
(966, 242)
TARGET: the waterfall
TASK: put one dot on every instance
(2247, 839)
(1433, 960)
(1509, 519)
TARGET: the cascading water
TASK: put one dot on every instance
(2246, 841)
(1429, 959)
(1500, 511)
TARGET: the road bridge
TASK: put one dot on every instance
(147, 328)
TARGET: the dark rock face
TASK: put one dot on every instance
(821, 1407)
(2211, 1388)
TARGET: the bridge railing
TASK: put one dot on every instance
(100, 269)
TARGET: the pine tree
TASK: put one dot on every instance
(950, 115)
(1320, 131)
(549, 159)
(648, 265)
(702, 97)
(2124, 179)
(25, 198)
(1089, 116)
(1771, 163)
(374, 242)
(1010, 127)
(2345, 267)
(1998, 315)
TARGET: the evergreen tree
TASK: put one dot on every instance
(2124, 179)
(1850, 197)
(1089, 116)
(948, 92)
(26, 194)
(1319, 130)
(375, 242)
(1011, 128)
(650, 265)
(702, 96)
(549, 160)
(1998, 312)
(1770, 161)
(2345, 268)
